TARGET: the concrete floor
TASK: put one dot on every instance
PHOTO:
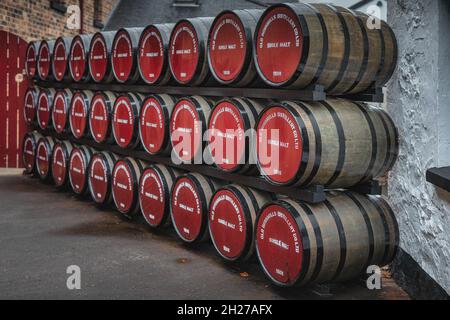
(43, 231)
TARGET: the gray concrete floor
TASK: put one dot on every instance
(43, 231)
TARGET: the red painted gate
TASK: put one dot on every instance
(13, 84)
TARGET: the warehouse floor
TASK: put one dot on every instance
(43, 231)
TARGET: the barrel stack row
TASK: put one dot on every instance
(288, 45)
(296, 243)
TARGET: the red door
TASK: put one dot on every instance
(13, 84)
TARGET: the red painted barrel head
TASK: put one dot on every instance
(77, 171)
(98, 58)
(227, 47)
(44, 109)
(59, 59)
(279, 44)
(151, 55)
(59, 112)
(185, 130)
(29, 107)
(98, 178)
(43, 63)
(123, 185)
(77, 59)
(227, 224)
(30, 63)
(184, 52)
(43, 159)
(279, 145)
(122, 57)
(59, 165)
(152, 197)
(123, 122)
(28, 153)
(227, 135)
(186, 209)
(279, 244)
(78, 116)
(152, 126)
(99, 118)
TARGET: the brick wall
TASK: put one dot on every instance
(35, 19)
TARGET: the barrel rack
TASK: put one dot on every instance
(312, 194)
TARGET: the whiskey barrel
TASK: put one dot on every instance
(44, 59)
(60, 59)
(297, 45)
(79, 112)
(299, 244)
(100, 116)
(100, 177)
(125, 186)
(188, 58)
(44, 151)
(60, 110)
(186, 131)
(29, 147)
(30, 105)
(232, 215)
(124, 56)
(155, 186)
(31, 58)
(336, 143)
(80, 158)
(125, 120)
(60, 163)
(153, 51)
(154, 123)
(100, 57)
(79, 57)
(189, 206)
(230, 46)
(44, 107)
(229, 140)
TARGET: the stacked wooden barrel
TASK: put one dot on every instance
(132, 149)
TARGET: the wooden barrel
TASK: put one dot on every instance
(60, 59)
(230, 47)
(80, 158)
(299, 244)
(154, 123)
(153, 51)
(44, 107)
(100, 114)
(188, 122)
(31, 58)
(189, 206)
(44, 150)
(60, 163)
(30, 105)
(232, 215)
(79, 57)
(125, 186)
(100, 177)
(229, 138)
(44, 59)
(125, 120)
(298, 45)
(188, 58)
(124, 56)
(29, 147)
(79, 112)
(100, 57)
(155, 186)
(60, 110)
(336, 143)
